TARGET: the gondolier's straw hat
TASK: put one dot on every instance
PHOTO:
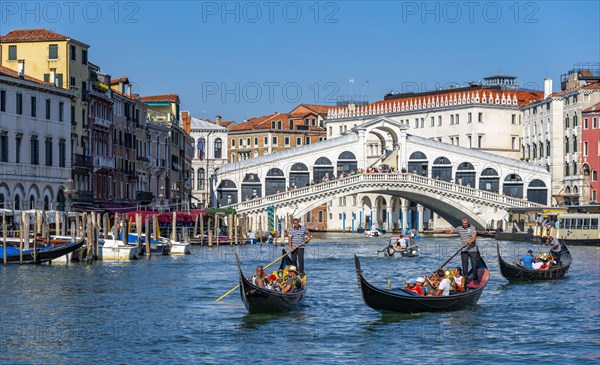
(293, 268)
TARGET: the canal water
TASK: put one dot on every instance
(163, 311)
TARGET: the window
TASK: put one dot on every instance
(232, 142)
(265, 141)
(73, 123)
(594, 175)
(567, 145)
(594, 123)
(451, 119)
(273, 125)
(439, 120)
(218, 148)
(61, 111)
(320, 217)
(307, 219)
(200, 179)
(83, 118)
(61, 153)
(35, 151)
(73, 53)
(33, 106)
(566, 169)
(12, 53)
(84, 57)
(2, 101)
(575, 124)
(4, 148)
(470, 145)
(53, 52)
(248, 142)
(299, 141)
(274, 141)
(585, 148)
(457, 119)
(469, 118)
(514, 119)
(432, 124)
(480, 117)
(585, 123)
(241, 142)
(48, 108)
(567, 124)
(18, 141)
(48, 151)
(514, 143)
(19, 103)
(286, 141)
(479, 141)
(574, 143)
(457, 141)
(279, 125)
(256, 141)
(307, 140)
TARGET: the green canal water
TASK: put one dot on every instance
(163, 311)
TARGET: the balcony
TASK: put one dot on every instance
(102, 122)
(142, 158)
(101, 162)
(84, 196)
(82, 161)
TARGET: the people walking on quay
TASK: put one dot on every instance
(297, 236)
(468, 239)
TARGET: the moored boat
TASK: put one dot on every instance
(262, 300)
(39, 255)
(111, 249)
(402, 300)
(400, 246)
(517, 272)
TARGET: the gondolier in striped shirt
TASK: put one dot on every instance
(296, 237)
(468, 239)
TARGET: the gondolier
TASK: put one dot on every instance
(297, 236)
(468, 239)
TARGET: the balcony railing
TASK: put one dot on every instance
(102, 122)
(82, 161)
(104, 162)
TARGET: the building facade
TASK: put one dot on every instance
(62, 61)
(210, 153)
(35, 141)
(590, 152)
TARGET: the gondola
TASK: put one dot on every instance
(42, 254)
(402, 300)
(516, 272)
(261, 300)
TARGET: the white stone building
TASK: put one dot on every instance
(210, 153)
(35, 142)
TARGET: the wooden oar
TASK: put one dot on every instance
(264, 267)
(451, 257)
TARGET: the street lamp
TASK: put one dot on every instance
(161, 196)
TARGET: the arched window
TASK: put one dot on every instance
(200, 179)
(31, 202)
(1, 201)
(218, 148)
(201, 148)
(418, 164)
(574, 143)
(537, 192)
(547, 148)
(17, 202)
(46, 203)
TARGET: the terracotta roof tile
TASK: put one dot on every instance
(14, 74)
(34, 35)
(265, 123)
(171, 98)
(117, 80)
(592, 109)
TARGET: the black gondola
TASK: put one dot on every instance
(402, 300)
(517, 272)
(42, 254)
(261, 300)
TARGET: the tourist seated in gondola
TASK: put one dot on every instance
(293, 283)
(459, 279)
(412, 286)
(259, 277)
(431, 282)
(271, 283)
(421, 284)
(444, 286)
(538, 264)
(528, 260)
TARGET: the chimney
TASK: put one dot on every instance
(351, 106)
(128, 89)
(547, 87)
(21, 69)
(187, 122)
(218, 120)
(53, 76)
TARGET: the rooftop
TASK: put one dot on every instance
(35, 35)
(592, 109)
(206, 125)
(167, 98)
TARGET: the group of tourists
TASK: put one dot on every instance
(544, 261)
(297, 236)
(440, 283)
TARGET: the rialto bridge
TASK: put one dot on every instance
(378, 175)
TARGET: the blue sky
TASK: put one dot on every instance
(246, 59)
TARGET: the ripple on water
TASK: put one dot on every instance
(164, 311)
